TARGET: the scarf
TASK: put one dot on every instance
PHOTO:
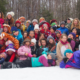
(64, 42)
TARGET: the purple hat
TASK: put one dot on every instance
(10, 47)
(14, 29)
(74, 35)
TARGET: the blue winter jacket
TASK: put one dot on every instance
(64, 30)
(30, 28)
(73, 62)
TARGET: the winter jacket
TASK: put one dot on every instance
(14, 40)
(22, 51)
(30, 28)
(72, 43)
(64, 30)
(1, 21)
(74, 61)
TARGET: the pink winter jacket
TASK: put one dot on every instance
(21, 52)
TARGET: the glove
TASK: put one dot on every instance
(65, 60)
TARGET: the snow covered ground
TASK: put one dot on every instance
(41, 73)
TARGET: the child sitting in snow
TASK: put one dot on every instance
(71, 60)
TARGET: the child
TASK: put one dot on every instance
(58, 35)
(63, 29)
(11, 52)
(61, 47)
(71, 38)
(45, 30)
(25, 51)
(36, 30)
(33, 47)
(52, 31)
(17, 34)
(1, 18)
(51, 45)
(71, 60)
(6, 28)
(31, 35)
(43, 60)
(18, 25)
(25, 35)
(44, 45)
(42, 36)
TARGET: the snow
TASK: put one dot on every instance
(40, 73)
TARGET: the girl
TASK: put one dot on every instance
(25, 34)
(71, 60)
(43, 60)
(9, 19)
(6, 28)
(71, 38)
(51, 45)
(42, 36)
(61, 47)
(25, 51)
(1, 18)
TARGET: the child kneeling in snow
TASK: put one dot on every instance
(43, 60)
(72, 59)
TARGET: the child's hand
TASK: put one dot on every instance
(26, 54)
(34, 55)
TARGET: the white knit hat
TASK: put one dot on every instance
(11, 13)
(33, 40)
(36, 27)
(35, 20)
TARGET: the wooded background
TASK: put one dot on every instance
(50, 9)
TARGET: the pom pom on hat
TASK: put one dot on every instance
(33, 40)
(36, 27)
(68, 51)
(11, 13)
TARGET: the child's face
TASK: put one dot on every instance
(34, 23)
(16, 33)
(36, 30)
(75, 22)
(9, 52)
(0, 15)
(5, 29)
(9, 16)
(70, 36)
(27, 43)
(64, 39)
(49, 57)
(27, 24)
(45, 27)
(43, 43)
(62, 25)
(74, 31)
(18, 25)
(58, 35)
(31, 34)
(51, 41)
(69, 55)
(51, 30)
(68, 21)
(25, 35)
(32, 44)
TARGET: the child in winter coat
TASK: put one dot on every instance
(62, 45)
(63, 29)
(6, 28)
(25, 35)
(11, 52)
(51, 45)
(17, 34)
(45, 30)
(25, 51)
(43, 60)
(71, 60)
(71, 38)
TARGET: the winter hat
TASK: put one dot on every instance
(74, 35)
(35, 20)
(28, 21)
(49, 37)
(17, 22)
(8, 27)
(36, 27)
(58, 31)
(71, 19)
(62, 23)
(52, 21)
(52, 55)
(41, 18)
(68, 51)
(54, 28)
(8, 42)
(26, 40)
(11, 13)
(33, 40)
(22, 17)
(53, 24)
(10, 47)
(14, 29)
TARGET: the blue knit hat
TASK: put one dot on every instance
(14, 29)
(68, 51)
(74, 35)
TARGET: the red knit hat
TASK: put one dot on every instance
(17, 22)
(54, 20)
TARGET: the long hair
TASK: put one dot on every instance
(77, 26)
(2, 15)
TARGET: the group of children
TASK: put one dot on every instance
(35, 44)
